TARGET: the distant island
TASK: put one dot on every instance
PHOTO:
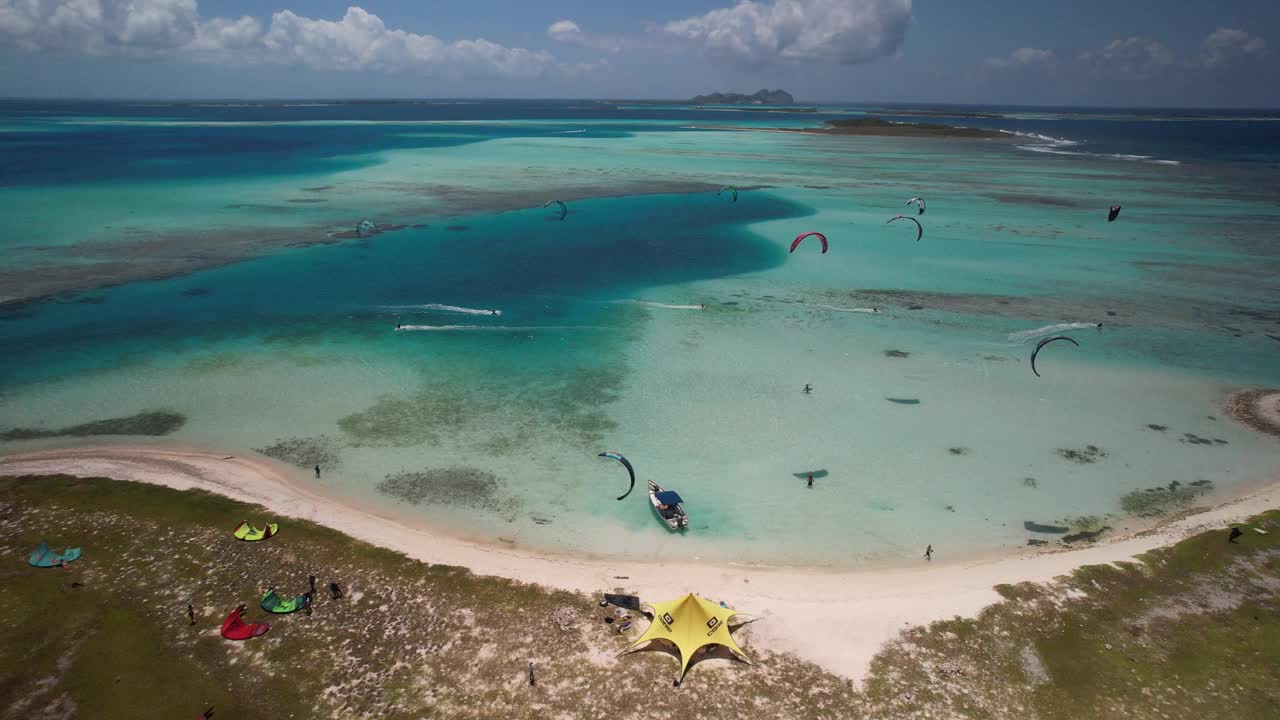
(763, 97)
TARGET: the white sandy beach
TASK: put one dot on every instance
(837, 620)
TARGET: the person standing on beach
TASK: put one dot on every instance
(312, 579)
(191, 613)
(532, 680)
(317, 472)
(928, 553)
(1235, 533)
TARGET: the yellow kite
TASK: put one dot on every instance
(690, 623)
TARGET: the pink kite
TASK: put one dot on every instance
(796, 243)
(235, 628)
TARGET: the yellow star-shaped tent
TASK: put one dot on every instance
(690, 623)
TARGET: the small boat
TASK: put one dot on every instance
(669, 506)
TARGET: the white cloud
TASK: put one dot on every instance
(1020, 58)
(564, 31)
(843, 31)
(98, 27)
(569, 33)
(358, 41)
(1138, 57)
(221, 34)
(1227, 46)
(361, 41)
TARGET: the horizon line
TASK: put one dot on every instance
(674, 101)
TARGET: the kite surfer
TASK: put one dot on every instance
(335, 590)
(919, 227)
(928, 553)
(810, 480)
(1044, 342)
(807, 389)
(1235, 533)
(821, 238)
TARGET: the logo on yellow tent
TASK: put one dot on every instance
(691, 611)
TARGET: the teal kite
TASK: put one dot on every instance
(44, 557)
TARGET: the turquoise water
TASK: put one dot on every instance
(190, 265)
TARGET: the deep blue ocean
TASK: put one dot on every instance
(225, 145)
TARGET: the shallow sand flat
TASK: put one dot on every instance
(837, 620)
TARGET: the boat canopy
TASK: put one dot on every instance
(669, 497)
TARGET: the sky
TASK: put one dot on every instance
(1135, 53)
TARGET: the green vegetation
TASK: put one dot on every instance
(149, 422)
(1194, 629)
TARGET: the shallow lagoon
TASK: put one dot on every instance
(297, 353)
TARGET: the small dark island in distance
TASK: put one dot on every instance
(762, 97)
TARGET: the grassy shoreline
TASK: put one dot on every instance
(413, 640)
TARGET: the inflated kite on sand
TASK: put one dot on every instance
(235, 628)
(273, 603)
(42, 556)
(249, 533)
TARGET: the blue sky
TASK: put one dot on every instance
(1083, 52)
